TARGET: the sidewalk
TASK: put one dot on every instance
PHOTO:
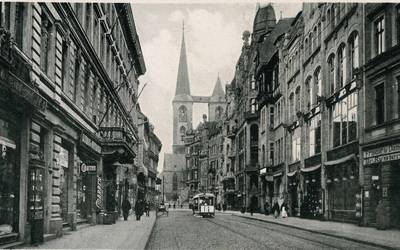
(381, 238)
(130, 234)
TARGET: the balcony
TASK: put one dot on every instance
(251, 115)
(252, 167)
(117, 144)
(231, 154)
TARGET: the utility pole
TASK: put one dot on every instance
(163, 189)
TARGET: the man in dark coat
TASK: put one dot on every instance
(276, 209)
(126, 206)
(138, 209)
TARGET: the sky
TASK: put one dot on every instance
(213, 36)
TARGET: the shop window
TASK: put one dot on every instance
(380, 103)
(379, 33)
(9, 182)
(354, 54)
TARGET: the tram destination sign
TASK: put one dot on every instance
(382, 154)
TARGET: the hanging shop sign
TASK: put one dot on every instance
(382, 154)
(99, 198)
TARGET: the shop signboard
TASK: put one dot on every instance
(88, 168)
(382, 154)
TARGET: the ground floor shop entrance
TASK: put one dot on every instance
(311, 206)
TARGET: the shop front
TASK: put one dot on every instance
(19, 99)
(342, 183)
(312, 205)
(381, 164)
(293, 180)
(117, 150)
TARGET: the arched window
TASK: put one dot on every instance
(298, 99)
(331, 73)
(310, 44)
(175, 182)
(353, 53)
(319, 34)
(182, 113)
(315, 42)
(332, 17)
(317, 84)
(341, 66)
(291, 106)
(309, 95)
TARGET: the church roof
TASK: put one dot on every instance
(218, 90)
(182, 82)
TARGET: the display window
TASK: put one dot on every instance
(9, 184)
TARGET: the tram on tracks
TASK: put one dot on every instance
(204, 204)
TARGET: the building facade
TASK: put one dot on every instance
(68, 115)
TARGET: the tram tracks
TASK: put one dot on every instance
(284, 231)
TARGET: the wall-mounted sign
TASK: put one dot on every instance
(382, 154)
(88, 168)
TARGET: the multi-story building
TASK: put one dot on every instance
(149, 147)
(68, 135)
(379, 133)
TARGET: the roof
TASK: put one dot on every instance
(218, 93)
(182, 81)
(266, 48)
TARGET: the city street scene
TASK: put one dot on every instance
(199, 124)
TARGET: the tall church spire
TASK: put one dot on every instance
(182, 82)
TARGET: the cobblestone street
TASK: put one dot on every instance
(182, 230)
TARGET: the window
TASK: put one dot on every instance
(271, 117)
(64, 65)
(331, 75)
(182, 132)
(341, 67)
(19, 24)
(263, 156)
(5, 14)
(94, 103)
(332, 17)
(271, 154)
(296, 146)
(354, 54)
(344, 120)
(319, 34)
(318, 84)
(45, 45)
(253, 106)
(379, 26)
(309, 93)
(314, 135)
(298, 100)
(291, 107)
(252, 83)
(275, 76)
(306, 47)
(88, 18)
(76, 76)
(310, 43)
(380, 103)
(398, 23)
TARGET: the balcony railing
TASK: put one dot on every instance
(250, 115)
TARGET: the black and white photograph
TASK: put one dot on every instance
(199, 124)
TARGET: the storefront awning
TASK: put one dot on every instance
(290, 174)
(277, 174)
(341, 160)
(306, 170)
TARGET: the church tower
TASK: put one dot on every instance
(183, 102)
(217, 103)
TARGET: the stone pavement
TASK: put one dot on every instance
(130, 234)
(381, 238)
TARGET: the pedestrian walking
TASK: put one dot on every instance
(126, 206)
(138, 209)
(276, 209)
(266, 208)
(147, 208)
(284, 210)
(174, 205)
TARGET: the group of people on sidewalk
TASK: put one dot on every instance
(141, 207)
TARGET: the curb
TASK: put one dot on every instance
(148, 235)
(319, 232)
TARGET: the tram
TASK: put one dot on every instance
(204, 204)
